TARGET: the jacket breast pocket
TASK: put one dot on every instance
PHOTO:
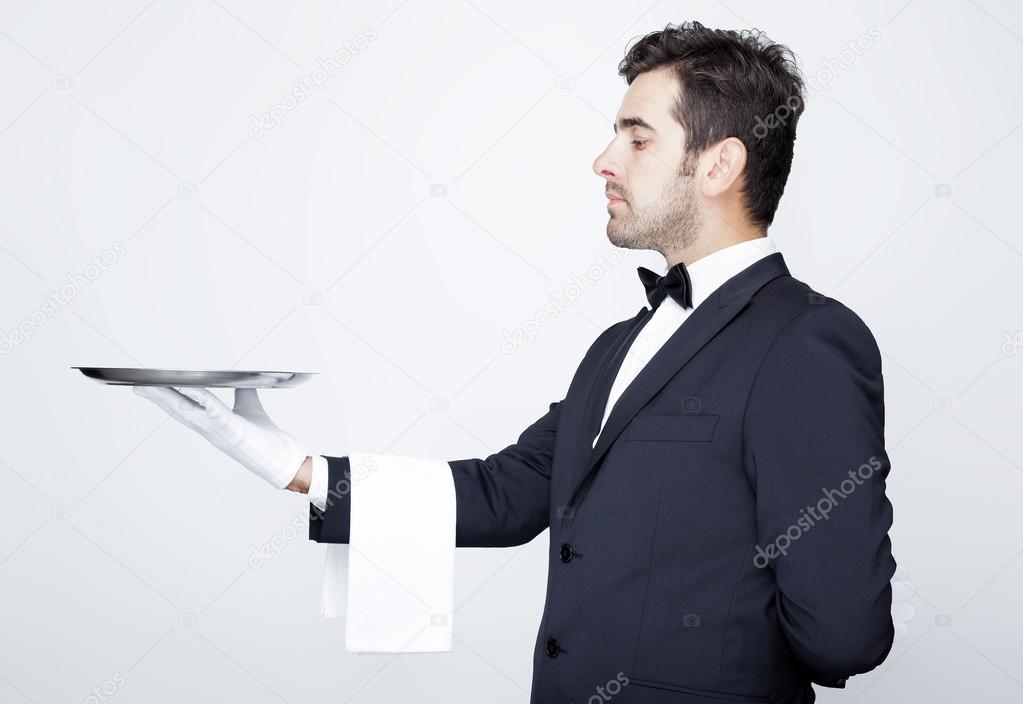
(687, 427)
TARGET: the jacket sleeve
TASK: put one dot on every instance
(331, 524)
(501, 500)
(504, 499)
(814, 441)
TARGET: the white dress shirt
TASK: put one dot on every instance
(318, 483)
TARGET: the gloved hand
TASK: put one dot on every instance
(245, 433)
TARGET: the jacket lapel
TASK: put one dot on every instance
(698, 329)
(607, 369)
(601, 375)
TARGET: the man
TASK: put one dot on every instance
(714, 478)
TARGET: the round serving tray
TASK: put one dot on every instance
(222, 378)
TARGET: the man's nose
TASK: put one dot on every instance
(606, 166)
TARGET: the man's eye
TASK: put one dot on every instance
(639, 142)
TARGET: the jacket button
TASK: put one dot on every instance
(553, 648)
(566, 552)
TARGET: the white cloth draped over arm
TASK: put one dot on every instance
(394, 579)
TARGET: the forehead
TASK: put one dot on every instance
(651, 96)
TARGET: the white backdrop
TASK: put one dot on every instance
(431, 197)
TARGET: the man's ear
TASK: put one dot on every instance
(721, 165)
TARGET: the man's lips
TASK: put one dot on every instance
(613, 198)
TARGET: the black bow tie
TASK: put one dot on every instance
(675, 283)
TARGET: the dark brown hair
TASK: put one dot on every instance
(731, 84)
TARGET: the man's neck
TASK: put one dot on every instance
(702, 246)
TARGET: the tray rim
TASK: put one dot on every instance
(192, 371)
(209, 378)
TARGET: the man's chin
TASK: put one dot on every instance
(619, 238)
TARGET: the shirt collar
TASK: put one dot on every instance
(710, 271)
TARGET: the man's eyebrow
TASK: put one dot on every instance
(633, 122)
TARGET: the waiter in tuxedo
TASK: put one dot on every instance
(714, 477)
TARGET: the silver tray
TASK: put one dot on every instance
(222, 378)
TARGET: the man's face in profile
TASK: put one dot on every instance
(653, 203)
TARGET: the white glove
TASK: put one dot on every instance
(902, 611)
(246, 433)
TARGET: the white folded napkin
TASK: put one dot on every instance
(395, 577)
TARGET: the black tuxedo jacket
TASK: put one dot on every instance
(727, 538)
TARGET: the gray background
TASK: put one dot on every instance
(432, 197)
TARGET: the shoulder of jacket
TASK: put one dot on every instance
(813, 318)
(800, 301)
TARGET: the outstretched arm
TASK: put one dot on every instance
(501, 500)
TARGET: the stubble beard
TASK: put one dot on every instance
(670, 224)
